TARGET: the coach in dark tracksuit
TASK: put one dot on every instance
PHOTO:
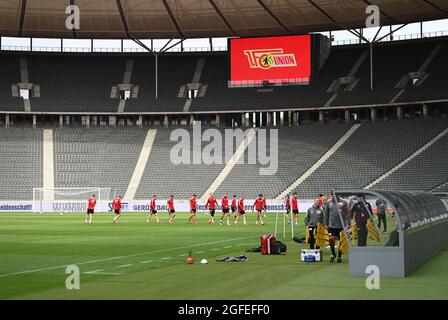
(334, 225)
(360, 213)
(381, 213)
(314, 216)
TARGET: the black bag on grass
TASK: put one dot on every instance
(280, 247)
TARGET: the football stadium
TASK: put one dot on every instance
(223, 150)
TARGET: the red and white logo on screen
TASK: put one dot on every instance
(275, 59)
(270, 58)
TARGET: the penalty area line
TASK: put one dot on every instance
(120, 257)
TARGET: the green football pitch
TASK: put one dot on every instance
(135, 260)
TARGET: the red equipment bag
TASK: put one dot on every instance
(268, 244)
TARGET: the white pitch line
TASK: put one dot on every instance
(125, 265)
(166, 258)
(227, 247)
(201, 251)
(110, 273)
(183, 255)
(93, 271)
(120, 257)
(149, 261)
(214, 249)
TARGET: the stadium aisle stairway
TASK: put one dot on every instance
(140, 165)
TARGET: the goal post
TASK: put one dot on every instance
(70, 199)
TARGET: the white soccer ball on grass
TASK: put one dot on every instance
(204, 261)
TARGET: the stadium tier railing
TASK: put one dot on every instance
(178, 48)
(105, 50)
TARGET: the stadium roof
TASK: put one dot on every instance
(204, 18)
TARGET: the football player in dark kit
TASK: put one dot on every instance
(360, 212)
(334, 224)
(314, 216)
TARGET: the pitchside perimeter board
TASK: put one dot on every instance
(282, 60)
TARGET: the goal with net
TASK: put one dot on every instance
(70, 199)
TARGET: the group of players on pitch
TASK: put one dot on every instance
(236, 209)
(324, 211)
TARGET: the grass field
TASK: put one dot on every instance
(134, 260)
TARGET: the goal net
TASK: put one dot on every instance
(70, 199)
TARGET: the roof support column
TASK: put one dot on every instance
(347, 115)
(373, 114)
(156, 75)
(268, 119)
(425, 111)
(218, 120)
(371, 66)
(399, 112)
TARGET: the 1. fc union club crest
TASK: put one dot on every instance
(270, 58)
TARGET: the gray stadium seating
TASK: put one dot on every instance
(97, 157)
(163, 177)
(442, 188)
(391, 62)
(20, 162)
(83, 83)
(371, 151)
(434, 86)
(172, 74)
(10, 74)
(298, 149)
(78, 84)
(106, 157)
(426, 172)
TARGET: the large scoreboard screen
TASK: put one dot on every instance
(283, 59)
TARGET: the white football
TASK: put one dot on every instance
(204, 261)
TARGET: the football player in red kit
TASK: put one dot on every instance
(234, 207)
(193, 209)
(241, 211)
(171, 211)
(153, 210)
(265, 207)
(258, 205)
(225, 209)
(295, 208)
(211, 204)
(116, 205)
(91, 202)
